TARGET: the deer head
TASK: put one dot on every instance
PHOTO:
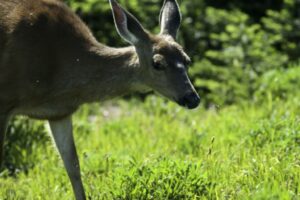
(162, 63)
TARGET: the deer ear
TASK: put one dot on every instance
(127, 25)
(170, 18)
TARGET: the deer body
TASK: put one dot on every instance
(50, 64)
(63, 93)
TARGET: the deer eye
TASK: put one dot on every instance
(158, 66)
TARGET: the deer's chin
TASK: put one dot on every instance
(190, 107)
(187, 106)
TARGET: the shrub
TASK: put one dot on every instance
(23, 137)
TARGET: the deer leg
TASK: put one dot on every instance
(63, 136)
(3, 124)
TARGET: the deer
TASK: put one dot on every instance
(51, 64)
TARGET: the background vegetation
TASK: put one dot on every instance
(232, 43)
(244, 143)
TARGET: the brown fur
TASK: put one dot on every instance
(50, 62)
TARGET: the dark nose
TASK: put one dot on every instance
(190, 100)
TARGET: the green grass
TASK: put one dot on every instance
(156, 150)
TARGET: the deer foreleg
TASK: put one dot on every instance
(63, 136)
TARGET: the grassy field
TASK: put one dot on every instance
(156, 150)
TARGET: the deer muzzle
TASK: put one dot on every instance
(191, 100)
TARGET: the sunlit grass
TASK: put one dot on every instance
(156, 150)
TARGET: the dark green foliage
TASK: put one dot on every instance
(23, 138)
(240, 53)
(285, 23)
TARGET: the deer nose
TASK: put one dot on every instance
(190, 100)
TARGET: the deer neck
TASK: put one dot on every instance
(105, 73)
